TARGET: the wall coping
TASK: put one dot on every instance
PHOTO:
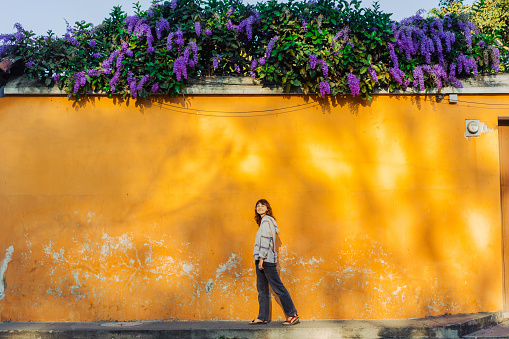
(218, 85)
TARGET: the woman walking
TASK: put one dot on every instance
(265, 261)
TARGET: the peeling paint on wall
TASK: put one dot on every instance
(232, 263)
(485, 129)
(3, 268)
(208, 287)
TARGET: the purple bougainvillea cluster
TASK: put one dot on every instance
(432, 40)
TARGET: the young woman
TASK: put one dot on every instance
(265, 261)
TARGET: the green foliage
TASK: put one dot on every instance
(272, 41)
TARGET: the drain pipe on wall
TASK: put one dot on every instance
(2, 92)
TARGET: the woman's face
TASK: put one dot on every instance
(261, 209)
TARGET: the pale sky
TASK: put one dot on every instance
(40, 16)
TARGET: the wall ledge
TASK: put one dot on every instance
(219, 85)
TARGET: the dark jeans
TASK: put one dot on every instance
(270, 276)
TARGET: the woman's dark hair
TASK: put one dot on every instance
(264, 202)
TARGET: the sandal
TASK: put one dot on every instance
(293, 320)
(259, 322)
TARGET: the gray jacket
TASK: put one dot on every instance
(265, 242)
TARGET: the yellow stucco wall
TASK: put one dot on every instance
(136, 210)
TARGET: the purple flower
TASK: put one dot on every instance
(114, 81)
(168, 41)
(5, 42)
(194, 48)
(372, 73)
(150, 13)
(343, 34)
(56, 77)
(215, 60)
(304, 25)
(399, 76)
(120, 58)
(452, 76)
(437, 23)
(142, 82)
(93, 73)
(229, 25)
(142, 28)
(230, 11)
(180, 68)
(467, 29)
(208, 32)
(131, 22)
(197, 28)
(173, 5)
(419, 77)
(270, 46)
(29, 64)
(427, 48)
(256, 15)
(131, 80)
(96, 55)
(325, 68)
(353, 84)
(438, 45)
(392, 53)
(155, 87)
(482, 44)
(438, 73)
(186, 55)
(161, 25)
(92, 43)
(106, 67)
(324, 88)
(70, 39)
(449, 38)
(261, 61)
(312, 61)
(248, 24)
(126, 49)
(180, 38)
(237, 68)
(472, 26)
(113, 55)
(79, 81)
(466, 64)
(249, 27)
(20, 34)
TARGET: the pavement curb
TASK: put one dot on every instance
(452, 327)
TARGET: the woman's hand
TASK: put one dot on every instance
(260, 264)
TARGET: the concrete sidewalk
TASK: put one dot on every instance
(497, 331)
(456, 326)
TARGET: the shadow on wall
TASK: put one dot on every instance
(183, 105)
(116, 215)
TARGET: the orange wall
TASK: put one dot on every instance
(131, 210)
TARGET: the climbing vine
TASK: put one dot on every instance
(330, 47)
